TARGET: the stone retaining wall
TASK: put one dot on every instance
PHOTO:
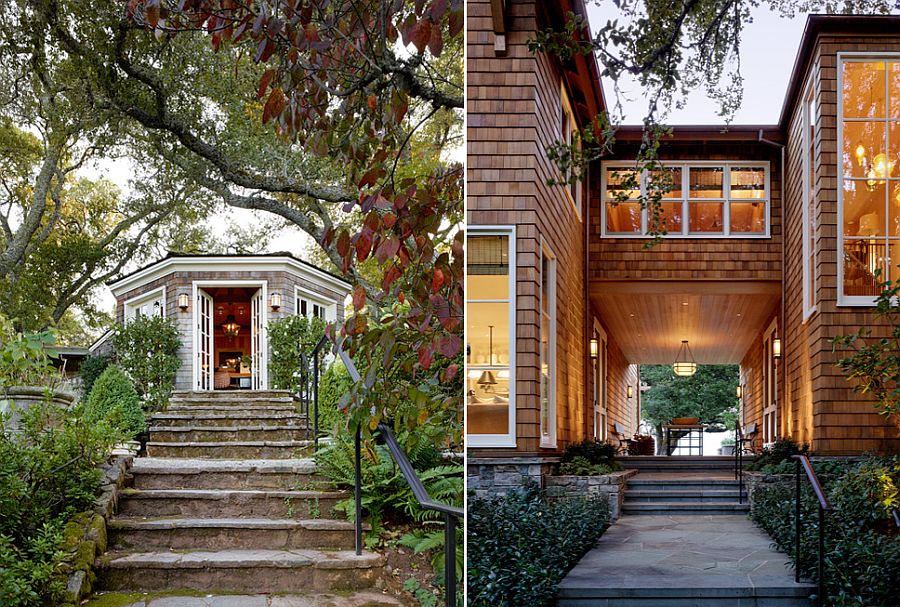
(487, 476)
(85, 534)
(612, 485)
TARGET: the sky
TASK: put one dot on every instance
(768, 47)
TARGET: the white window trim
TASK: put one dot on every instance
(810, 255)
(726, 165)
(311, 296)
(508, 439)
(548, 441)
(135, 302)
(852, 300)
(566, 109)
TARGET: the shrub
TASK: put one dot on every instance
(510, 564)
(335, 383)
(862, 549)
(590, 449)
(48, 472)
(147, 350)
(288, 338)
(580, 466)
(91, 369)
(26, 358)
(782, 450)
(113, 398)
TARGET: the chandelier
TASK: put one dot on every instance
(879, 168)
(230, 327)
(684, 365)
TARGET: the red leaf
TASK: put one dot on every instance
(399, 105)
(420, 34)
(369, 178)
(438, 8)
(389, 220)
(264, 83)
(343, 243)
(437, 280)
(152, 15)
(436, 42)
(359, 298)
(373, 102)
(387, 249)
(425, 355)
(451, 372)
(455, 21)
(363, 245)
(451, 345)
(274, 105)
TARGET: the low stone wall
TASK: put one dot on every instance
(85, 534)
(612, 485)
(487, 476)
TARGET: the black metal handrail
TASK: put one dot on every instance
(824, 506)
(896, 516)
(739, 461)
(308, 391)
(452, 514)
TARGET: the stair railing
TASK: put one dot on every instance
(308, 390)
(739, 461)
(824, 506)
(308, 396)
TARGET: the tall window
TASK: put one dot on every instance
(490, 330)
(698, 200)
(809, 203)
(548, 349)
(869, 196)
(569, 128)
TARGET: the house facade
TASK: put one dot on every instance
(222, 306)
(774, 236)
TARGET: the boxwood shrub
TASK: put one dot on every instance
(520, 545)
(862, 544)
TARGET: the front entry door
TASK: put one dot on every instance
(601, 412)
(770, 387)
(257, 352)
(204, 342)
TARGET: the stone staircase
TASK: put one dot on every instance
(228, 500)
(683, 485)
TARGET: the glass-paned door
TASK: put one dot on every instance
(204, 348)
(601, 408)
(770, 388)
(256, 336)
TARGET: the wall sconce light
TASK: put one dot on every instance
(739, 392)
(275, 301)
(184, 301)
(629, 391)
(595, 348)
(776, 347)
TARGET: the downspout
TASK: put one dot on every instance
(781, 326)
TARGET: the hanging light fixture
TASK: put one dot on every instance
(684, 365)
(487, 377)
(231, 327)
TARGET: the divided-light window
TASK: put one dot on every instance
(698, 200)
(869, 165)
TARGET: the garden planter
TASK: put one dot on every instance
(18, 400)
(726, 450)
(570, 486)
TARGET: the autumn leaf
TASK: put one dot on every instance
(359, 298)
(264, 83)
(420, 34)
(274, 105)
(436, 41)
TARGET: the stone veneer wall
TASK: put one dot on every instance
(613, 485)
(496, 475)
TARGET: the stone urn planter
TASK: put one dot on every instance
(726, 450)
(15, 401)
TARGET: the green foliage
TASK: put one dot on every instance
(862, 548)
(434, 542)
(290, 337)
(581, 466)
(590, 449)
(874, 365)
(48, 473)
(708, 394)
(774, 457)
(91, 368)
(147, 350)
(511, 562)
(335, 384)
(385, 493)
(114, 398)
(26, 358)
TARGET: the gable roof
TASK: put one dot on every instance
(172, 261)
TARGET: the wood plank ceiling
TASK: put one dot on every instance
(721, 320)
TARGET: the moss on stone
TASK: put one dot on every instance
(84, 556)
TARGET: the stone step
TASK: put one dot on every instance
(637, 481)
(215, 394)
(233, 399)
(362, 598)
(232, 533)
(696, 495)
(231, 434)
(227, 418)
(697, 596)
(676, 508)
(171, 473)
(216, 409)
(240, 570)
(230, 503)
(231, 449)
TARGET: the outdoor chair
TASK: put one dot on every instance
(746, 439)
(624, 442)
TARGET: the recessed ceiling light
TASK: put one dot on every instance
(684, 303)
(631, 315)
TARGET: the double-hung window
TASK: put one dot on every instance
(869, 167)
(490, 333)
(568, 134)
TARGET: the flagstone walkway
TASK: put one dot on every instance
(696, 560)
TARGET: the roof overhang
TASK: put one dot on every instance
(226, 263)
(697, 133)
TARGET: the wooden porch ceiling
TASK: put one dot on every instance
(720, 319)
